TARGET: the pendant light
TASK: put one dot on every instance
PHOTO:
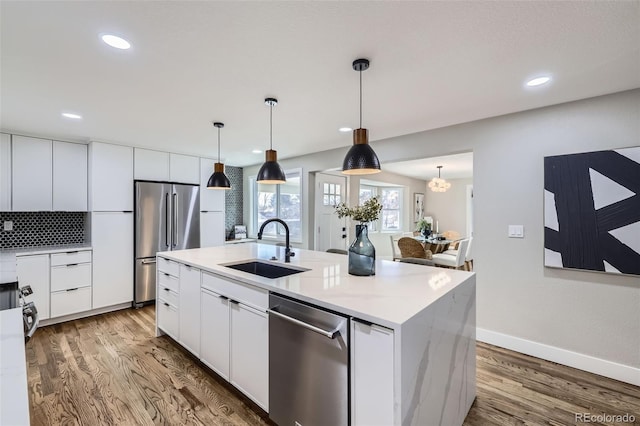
(438, 184)
(361, 159)
(218, 179)
(271, 172)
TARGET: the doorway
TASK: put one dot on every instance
(331, 232)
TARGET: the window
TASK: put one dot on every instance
(391, 200)
(283, 201)
(331, 194)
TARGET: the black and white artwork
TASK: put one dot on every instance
(592, 211)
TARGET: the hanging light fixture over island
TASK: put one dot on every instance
(361, 159)
(218, 179)
(271, 172)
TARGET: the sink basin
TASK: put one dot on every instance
(263, 269)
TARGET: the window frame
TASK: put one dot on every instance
(377, 225)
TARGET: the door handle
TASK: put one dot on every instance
(329, 334)
(166, 220)
(175, 220)
(148, 261)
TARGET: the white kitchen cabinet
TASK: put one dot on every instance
(211, 200)
(110, 177)
(214, 332)
(249, 354)
(190, 308)
(69, 176)
(70, 301)
(34, 271)
(372, 365)
(151, 165)
(212, 230)
(5, 172)
(167, 316)
(112, 241)
(31, 174)
(184, 169)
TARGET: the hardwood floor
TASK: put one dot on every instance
(111, 370)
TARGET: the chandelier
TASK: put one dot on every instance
(438, 184)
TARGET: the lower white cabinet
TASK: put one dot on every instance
(111, 238)
(70, 301)
(249, 352)
(168, 318)
(372, 374)
(34, 271)
(189, 311)
(214, 332)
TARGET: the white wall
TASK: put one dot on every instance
(583, 312)
(449, 208)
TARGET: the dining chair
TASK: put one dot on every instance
(410, 247)
(447, 260)
(468, 259)
(395, 250)
(416, 261)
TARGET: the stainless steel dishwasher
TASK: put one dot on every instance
(308, 365)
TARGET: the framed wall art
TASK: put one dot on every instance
(592, 211)
(418, 206)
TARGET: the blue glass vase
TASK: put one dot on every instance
(362, 254)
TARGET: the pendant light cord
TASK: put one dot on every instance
(271, 126)
(360, 72)
(218, 144)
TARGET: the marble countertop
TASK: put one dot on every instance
(396, 293)
(48, 249)
(14, 404)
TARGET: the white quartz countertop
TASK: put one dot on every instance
(48, 249)
(396, 293)
(14, 398)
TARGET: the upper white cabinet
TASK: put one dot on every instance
(111, 177)
(211, 200)
(151, 165)
(31, 174)
(5, 172)
(112, 241)
(184, 169)
(212, 231)
(69, 176)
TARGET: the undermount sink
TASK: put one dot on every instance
(263, 269)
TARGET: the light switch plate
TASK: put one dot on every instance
(516, 231)
(8, 225)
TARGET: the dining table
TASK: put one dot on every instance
(436, 245)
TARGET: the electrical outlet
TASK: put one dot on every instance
(516, 231)
(8, 225)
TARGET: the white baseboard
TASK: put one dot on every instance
(84, 314)
(621, 372)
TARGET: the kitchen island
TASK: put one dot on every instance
(412, 332)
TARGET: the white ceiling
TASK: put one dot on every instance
(432, 64)
(456, 166)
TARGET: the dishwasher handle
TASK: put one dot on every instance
(329, 334)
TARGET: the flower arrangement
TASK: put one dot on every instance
(367, 212)
(423, 225)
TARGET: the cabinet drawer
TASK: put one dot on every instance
(168, 318)
(70, 301)
(169, 266)
(70, 257)
(70, 276)
(166, 280)
(240, 292)
(168, 295)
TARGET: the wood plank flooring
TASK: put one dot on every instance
(111, 370)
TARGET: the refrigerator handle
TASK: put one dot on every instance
(175, 220)
(166, 219)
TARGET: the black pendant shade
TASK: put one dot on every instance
(218, 179)
(271, 172)
(360, 159)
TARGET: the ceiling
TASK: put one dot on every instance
(457, 166)
(432, 64)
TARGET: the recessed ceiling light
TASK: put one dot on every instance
(115, 41)
(538, 81)
(257, 151)
(71, 115)
(345, 129)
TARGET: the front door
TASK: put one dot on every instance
(331, 231)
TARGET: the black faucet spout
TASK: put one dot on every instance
(287, 247)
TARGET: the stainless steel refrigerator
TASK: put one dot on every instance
(167, 217)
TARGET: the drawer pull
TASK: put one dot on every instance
(71, 252)
(224, 298)
(167, 289)
(235, 302)
(71, 264)
(166, 274)
(72, 289)
(166, 304)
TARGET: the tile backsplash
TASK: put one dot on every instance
(233, 200)
(32, 229)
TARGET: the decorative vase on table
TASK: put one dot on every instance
(362, 254)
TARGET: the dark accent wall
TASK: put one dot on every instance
(31, 229)
(233, 199)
